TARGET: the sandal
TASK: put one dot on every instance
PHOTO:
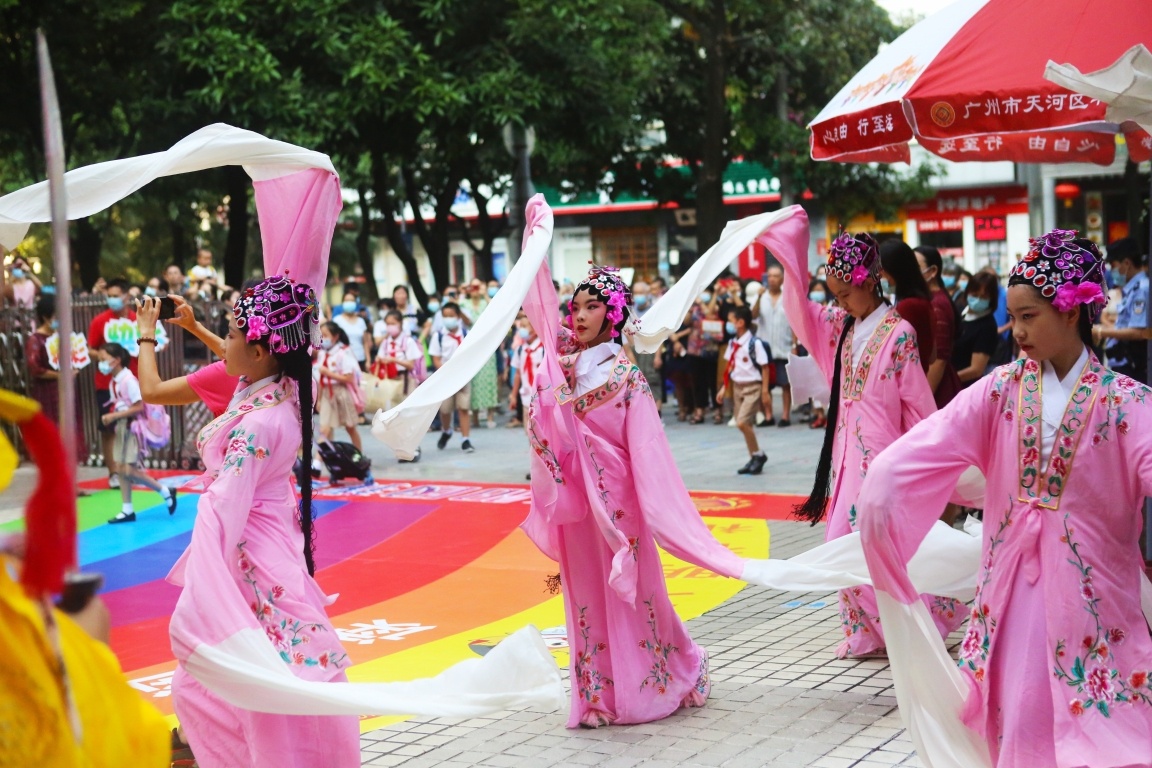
(818, 423)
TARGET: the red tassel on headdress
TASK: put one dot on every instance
(50, 516)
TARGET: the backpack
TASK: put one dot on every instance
(152, 428)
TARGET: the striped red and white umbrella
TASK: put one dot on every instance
(968, 83)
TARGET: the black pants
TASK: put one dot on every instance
(703, 370)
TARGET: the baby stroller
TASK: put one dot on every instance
(343, 460)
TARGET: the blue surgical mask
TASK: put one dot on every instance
(105, 367)
(978, 306)
(1118, 279)
(730, 327)
(962, 285)
(817, 296)
(706, 298)
(886, 287)
(433, 307)
(523, 333)
(55, 324)
(326, 343)
(492, 291)
(18, 274)
(115, 303)
(349, 307)
(150, 291)
(451, 323)
(949, 280)
(641, 300)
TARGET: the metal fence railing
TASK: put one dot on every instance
(182, 356)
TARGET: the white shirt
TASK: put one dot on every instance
(594, 366)
(527, 359)
(744, 370)
(444, 344)
(1054, 395)
(772, 326)
(124, 390)
(355, 327)
(863, 332)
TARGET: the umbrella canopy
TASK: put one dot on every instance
(967, 84)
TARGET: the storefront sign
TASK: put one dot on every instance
(940, 225)
(957, 203)
(991, 228)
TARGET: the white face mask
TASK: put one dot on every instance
(105, 367)
(393, 330)
(326, 343)
(451, 323)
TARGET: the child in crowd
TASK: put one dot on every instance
(339, 384)
(745, 359)
(125, 404)
(526, 360)
(396, 359)
(442, 346)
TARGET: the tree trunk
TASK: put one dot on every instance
(387, 206)
(710, 217)
(434, 238)
(179, 237)
(86, 243)
(364, 248)
(236, 250)
(787, 187)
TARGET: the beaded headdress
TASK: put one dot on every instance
(854, 258)
(605, 283)
(280, 312)
(1067, 271)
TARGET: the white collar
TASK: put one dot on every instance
(1056, 391)
(252, 389)
(745, 339)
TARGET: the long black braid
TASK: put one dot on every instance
(812, 510)
(297, 365)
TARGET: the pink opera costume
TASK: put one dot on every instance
(249, 564)
(882, 392)
(1056, 665)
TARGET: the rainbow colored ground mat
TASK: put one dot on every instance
(427, 573)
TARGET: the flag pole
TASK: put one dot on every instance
(62, 263)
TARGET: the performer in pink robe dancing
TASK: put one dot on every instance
(605, 492)
(879, 391)
(250, 561)
(1055, 668)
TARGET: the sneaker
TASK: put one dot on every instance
(466, 446)
(171, 501)
(756, 465)
(113, 481)
(744, 470)
(129, 517)
(444, 438)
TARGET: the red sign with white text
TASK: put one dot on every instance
(954, 204)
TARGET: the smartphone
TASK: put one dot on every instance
(79, 589)
(167, 308)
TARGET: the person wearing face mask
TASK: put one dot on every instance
(704, 346)
(338, 392)
(960, 291)
(941, 375)
(442, 346)
(905, 283)
(484, 389)
(744, 374)
(395, 360)
(978, 339)
(1126, 342)
(43, 379)
(356, 329)
(651, 365)
(526, 361)
(99, 333)
(22, 286)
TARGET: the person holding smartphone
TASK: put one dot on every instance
(22, 286)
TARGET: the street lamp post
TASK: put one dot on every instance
(519, 141)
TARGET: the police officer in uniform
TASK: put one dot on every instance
(1126, 344)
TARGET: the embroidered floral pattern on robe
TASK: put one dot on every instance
(589, 680)
(659, 675)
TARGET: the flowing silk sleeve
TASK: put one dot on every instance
(916, 400)
(816, 326)
(664, 501)
(910, 481)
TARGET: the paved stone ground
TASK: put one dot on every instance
(779, 698)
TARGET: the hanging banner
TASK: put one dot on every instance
(80, 356)
(123, 331)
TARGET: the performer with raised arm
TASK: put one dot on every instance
(879, 391)
(1055, 666)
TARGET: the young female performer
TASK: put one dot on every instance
(600, 505)
(250, 561)
(879, 391)
(1055, 666)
